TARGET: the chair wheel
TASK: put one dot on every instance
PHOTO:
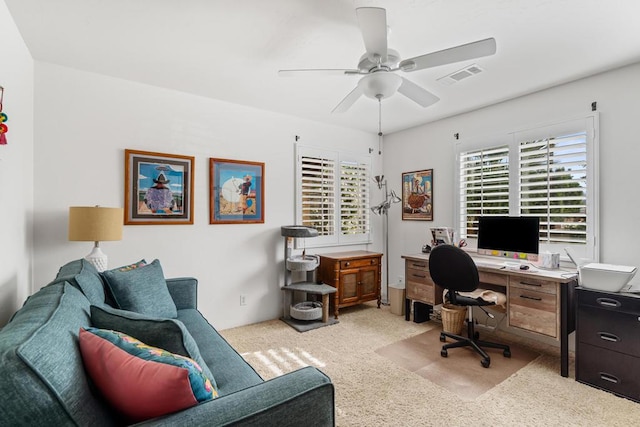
(443, 353)
(442, 338)
(485, 363)
(506, 353)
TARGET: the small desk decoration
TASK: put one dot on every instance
(417, 195)
(236, 192)
(158, 188)
(3, 118)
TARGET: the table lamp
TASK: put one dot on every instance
(95, 224)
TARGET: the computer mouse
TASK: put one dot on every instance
(524, 267)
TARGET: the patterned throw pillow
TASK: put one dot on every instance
(169, 334)
(142, 289)
(141, 381)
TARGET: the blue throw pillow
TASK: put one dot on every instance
(141, 289)
(84, 276)
(167, 334)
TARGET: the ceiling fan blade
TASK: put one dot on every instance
(373, 25)
(463, 52)
(417, 94)
(316, 72)
(348, 100)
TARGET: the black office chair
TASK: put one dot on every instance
(453, 269)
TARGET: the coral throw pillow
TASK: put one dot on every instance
(141, 381)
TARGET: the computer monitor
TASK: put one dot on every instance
(515, 237)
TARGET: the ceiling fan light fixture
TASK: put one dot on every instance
(380, 85)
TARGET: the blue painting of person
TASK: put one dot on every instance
(159, 197)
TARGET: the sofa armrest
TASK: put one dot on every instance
(302, 397)
(184, 291)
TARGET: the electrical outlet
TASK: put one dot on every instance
(243, 300)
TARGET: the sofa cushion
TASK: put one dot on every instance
(167, 334)
(139, 380)
(142, 289)
(84, 276)
(231, 371)
(42, 378)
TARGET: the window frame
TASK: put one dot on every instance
(340, 158)
(589, 124)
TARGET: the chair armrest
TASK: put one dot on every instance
(184, 291)
(302, 397)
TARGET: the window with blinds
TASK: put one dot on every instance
(333, 195)
(549, 172)
(553, 186)
(484, 186)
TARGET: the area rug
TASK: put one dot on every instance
(460, 372)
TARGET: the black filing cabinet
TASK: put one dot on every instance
(608, 341)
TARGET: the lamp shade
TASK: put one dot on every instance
(95, 224)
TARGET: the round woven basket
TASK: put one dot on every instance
(453, 318)
(308, 310)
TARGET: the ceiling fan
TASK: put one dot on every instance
(379, 63)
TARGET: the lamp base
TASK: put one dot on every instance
(98, 259)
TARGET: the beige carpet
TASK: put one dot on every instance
(372, 390)
(460, 372)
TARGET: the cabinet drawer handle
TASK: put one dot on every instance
(531, 298)
(347, 264)
(608, 377)
(608, 302)
(539, 285)
(419, 265)
(421, 276)
(608, 337)
(373, 261)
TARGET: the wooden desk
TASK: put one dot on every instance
(538, 301)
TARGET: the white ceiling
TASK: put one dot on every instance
(232, 49)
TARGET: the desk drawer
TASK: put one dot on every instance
(609, 301)
(608, 370)
(499, 279)
(533, 311)
(357, 263)
(421, 291)
(533, 284)
(420, 276)
(417, 265)
(610, 330)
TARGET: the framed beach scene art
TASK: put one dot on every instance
(158, 188)
(236, 191)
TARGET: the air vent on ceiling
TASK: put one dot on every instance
(462, 74)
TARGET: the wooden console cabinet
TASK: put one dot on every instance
(356, 275)
(607, 344)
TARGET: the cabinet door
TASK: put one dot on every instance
(369, 283)
(348, 292)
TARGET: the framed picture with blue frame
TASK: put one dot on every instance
(158, 188)
(236, 192)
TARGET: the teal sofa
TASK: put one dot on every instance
(43, 381)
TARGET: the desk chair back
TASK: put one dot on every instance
(452, 268)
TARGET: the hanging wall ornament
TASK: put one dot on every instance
(3, 118)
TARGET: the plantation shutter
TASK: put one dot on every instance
(484, 186)
(332, 196)
(318, 198)
(553, 186)
(354, 197)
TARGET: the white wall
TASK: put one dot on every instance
(84, 123)
(432, 146)
(16, 169)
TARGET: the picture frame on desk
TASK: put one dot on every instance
(417, 195)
